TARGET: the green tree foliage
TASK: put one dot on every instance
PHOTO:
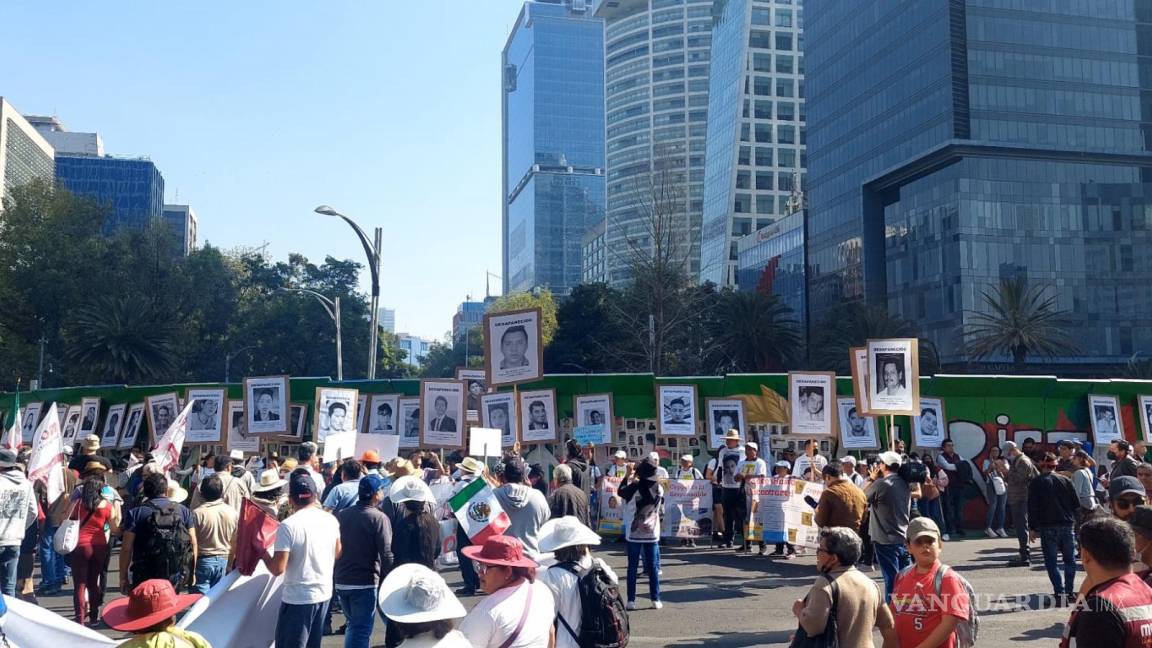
(852, 325)
(520, 301)
(1021, 321)
(589, 334)
(755, 333)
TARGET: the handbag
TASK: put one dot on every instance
(998, 485)
(66, 538)
(827, 639)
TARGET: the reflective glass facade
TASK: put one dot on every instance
(132, 188)
(771, 261)
(756, 128)
(958, 142)
(24, 154)
(553, 143)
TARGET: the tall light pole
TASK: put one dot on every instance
(332, 306)
(372, 249)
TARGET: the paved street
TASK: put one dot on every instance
(717, 598)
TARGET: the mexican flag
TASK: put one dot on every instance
(479, 512)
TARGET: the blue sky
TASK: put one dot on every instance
(258, 111)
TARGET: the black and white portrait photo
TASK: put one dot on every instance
(91, 416)
(113, 422)
(724, 414)
(336, 413)
(809, 395)
(162, 412)
(498, 411)
(513, 350)
(857, 431)
(71, 425)
(676, 410)
(408, 418)
(595, 410)
(538, 416)
(1145, 403)
(29, 417)
(1105, 414)
(266, 405)
(475, 385)
(894, 377)
(860, 386)
(132, 427)
(239, 438)
(297, 422)
(930, 427)
(206, 420)
(442, 408)
(382, 410)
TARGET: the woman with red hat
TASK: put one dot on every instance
(518, 611)
(149, 613)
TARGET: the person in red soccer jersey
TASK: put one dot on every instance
(926, 608)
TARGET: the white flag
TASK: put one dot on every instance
(167, 450)
(12, 438)
(48, 455)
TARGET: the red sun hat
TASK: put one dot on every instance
(149, 603)
(503, 551)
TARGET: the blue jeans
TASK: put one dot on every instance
(650, 552)
(9, 560)
(1020, 524)
(997, 504)
(1061, 540)
(892, 559)
(300, 626)
(53, 566)
(359, 607)
(932, 509)
(209, 571)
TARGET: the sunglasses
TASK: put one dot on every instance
(481, 568)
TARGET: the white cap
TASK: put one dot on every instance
(783, 464)
(686, 458)
(620, 454)
(888, 458)
(654, 456)
(848, 459)
(237, 455)
(753, 445)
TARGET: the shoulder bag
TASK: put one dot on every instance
(827, 639)
(523, 618)
(68, 535)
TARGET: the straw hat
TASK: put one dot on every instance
(402, 468)
(408, 489)
(472, 466)
(732, 434)
(149, 603)
(93, 468)
(176, 492)
(412, 593)
(269, 480)
(566, 531)
(91, 442)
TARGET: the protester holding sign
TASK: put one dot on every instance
(642, 494)
(751, 466)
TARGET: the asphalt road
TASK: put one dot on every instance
(719, 598)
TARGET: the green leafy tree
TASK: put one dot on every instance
(755, 333)
(588, 334)
(852, 325)
(541, 299)
(1021, 321)
(121, 339)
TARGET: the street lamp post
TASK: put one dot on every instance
(332, 307)
(372, 249)
(228, 360)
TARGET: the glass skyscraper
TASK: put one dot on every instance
(953, 143)
(553, 162)
(131, 187)
(755, 155)
(24, 153)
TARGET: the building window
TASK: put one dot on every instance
(783, 42)
(764, 181)
(763, 109)
(762, 62)
(764, 156)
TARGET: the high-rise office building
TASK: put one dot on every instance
(656, 55)
(64, 141)
(24, 153)
(953, 143)
(132, 188)
(183, 222)
(388, 319)
(469, 315)
(414, 346)
(771, 260)
(755, 155)
(553, 143)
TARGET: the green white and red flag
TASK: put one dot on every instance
(479, 512)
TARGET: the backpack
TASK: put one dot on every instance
(163, 545)
(967, 629)
(604, 619)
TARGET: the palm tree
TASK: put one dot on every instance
(755, 333)
(852, 325)
(122, 339)
(1022, 321)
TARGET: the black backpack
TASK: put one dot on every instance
(163, 545)
(604, 619)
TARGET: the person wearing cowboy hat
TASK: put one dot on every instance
(470, 469)
(99, 517)
(416, 534)
(723, 469)
(162, 498)
(366, 538)
(417, 603)
(268, 493)
(569, 541)
(216, 524)
(149, 613)
(518, 611)
(88, 448)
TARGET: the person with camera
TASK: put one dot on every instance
(889, 503)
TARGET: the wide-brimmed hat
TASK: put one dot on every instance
(566, 531)
(470, 465)
(402, 468)
(176, 492)
(269, 480)
(410, 489)
(503, 551)
(412, 593)
(93, 467)
(732, 434)
(91, 442)
(149, 603)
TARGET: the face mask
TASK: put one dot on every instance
(1111, 456)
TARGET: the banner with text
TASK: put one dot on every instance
(687, 509)
(611, 507)
(782, 509)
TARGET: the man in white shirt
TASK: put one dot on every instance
(731, 495)
(619, 466)
(810, 459)
(306, 454)
(848, 470)
(751, 466)
(305, 552)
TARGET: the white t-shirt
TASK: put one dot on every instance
(309, 536)
(804, 461)
(729, 457)
(496, 616)
(566, 595)
(454, 639)
(661, 472)
(755, 468)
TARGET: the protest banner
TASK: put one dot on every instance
(611, 507)
(687, 509)
(48, 455)
(590, 434)
(167, 449)
(783, 510)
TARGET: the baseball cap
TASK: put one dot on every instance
(923, 526)
(685, 457)
(848, 459)
(1065, 443)
(1124, 485)
(620, 454)
(1141, 520)
(370, 484)
(302, 489)
(888, 458)
(1123, 445)
(654, 457)
(753, 445)
(783, 464)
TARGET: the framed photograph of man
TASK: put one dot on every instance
(857, 431)
(931, 426)
(162, 411)
(1106, 424)
(809, 394)
(894, 377)
(132, 426)
(538, 416)
(382, 410)
(499, 411)
(859, 361)
(409, 421)
(1145, 414)
(676, 410)
(113, 423)
(206, 420)
(724, 414)
(91, 416)
(513, 352)
(71, 425)
(475, 385)
(595, 409)
(239, 438)
(266, 405)
(29, 418)
(442, 411)
(297, 423)
(336, 416)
